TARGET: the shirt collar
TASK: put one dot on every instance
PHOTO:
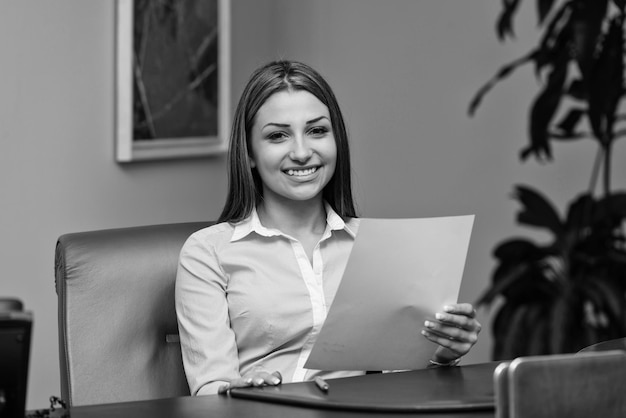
(252, 223)
(336, 222)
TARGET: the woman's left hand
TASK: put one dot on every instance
(455, 330)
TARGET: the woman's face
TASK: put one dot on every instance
(293, 146)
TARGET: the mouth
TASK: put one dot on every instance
(301, 172)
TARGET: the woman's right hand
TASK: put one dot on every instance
(254, 378)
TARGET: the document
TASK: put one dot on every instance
(400, 273)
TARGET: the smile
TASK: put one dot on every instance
(301, 173)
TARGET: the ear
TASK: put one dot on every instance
(251, 160)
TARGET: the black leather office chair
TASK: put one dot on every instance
(118, 335)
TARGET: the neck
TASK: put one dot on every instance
(295, 218)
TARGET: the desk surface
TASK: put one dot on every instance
(229, 406)
(219, 406)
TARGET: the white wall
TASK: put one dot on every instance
(404, 71)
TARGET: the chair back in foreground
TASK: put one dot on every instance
(118, 334)
(616, 344)
(574, 385)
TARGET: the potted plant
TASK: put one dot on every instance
(568, 293)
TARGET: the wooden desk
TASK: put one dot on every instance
(457, 383)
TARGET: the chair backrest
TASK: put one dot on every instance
(117, 321)
(572, 385)
(616, 344)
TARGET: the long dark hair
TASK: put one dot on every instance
(244, 184)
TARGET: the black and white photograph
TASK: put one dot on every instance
(313, 208)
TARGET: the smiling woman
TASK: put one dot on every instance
(246, 186)
(253, 291)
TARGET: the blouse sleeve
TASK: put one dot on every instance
(208, 343)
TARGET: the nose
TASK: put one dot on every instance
(301, 150)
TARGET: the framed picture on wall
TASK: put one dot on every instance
(172, 78)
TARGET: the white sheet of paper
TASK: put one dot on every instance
(400, 272)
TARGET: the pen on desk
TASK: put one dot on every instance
(322, 384)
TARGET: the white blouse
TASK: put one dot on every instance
(248, 297)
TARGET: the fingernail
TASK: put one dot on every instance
(429, 324)
(275, 380)
(448, 308)
(439, 316)
(424, 333)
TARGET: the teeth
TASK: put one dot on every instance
(301, 172)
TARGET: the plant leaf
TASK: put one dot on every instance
(543, 110)
(513, 344)
(537, 210)
(537, 340)
(580, 212)
(504, 26)
(576, 89)
(500, 286)
(516, 249)
(605, 296)
(587, 17)
(616, 204)
(559, 318)
(555, 38)
(537, 329)
(502, 73)
(568, 124)
(543, 9)
(606, 83)
(500, 329)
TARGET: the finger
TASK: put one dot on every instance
(444, 355)
(457, 320)
(265, 378)
(242, 382)
(258, 378)
(456, 339)
(451, 332)
(457, 347)
(466, 309)
(278, 376)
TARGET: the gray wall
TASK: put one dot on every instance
(403, 70)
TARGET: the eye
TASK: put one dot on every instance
(318, 131)
(276, 136)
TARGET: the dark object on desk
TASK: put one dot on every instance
(15, 333)
(579, 385)
(118, 335)
(441, 389)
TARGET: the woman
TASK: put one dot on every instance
(252, 291)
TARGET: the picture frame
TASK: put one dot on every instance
(172, 79)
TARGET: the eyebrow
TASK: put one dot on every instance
(286, 125)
